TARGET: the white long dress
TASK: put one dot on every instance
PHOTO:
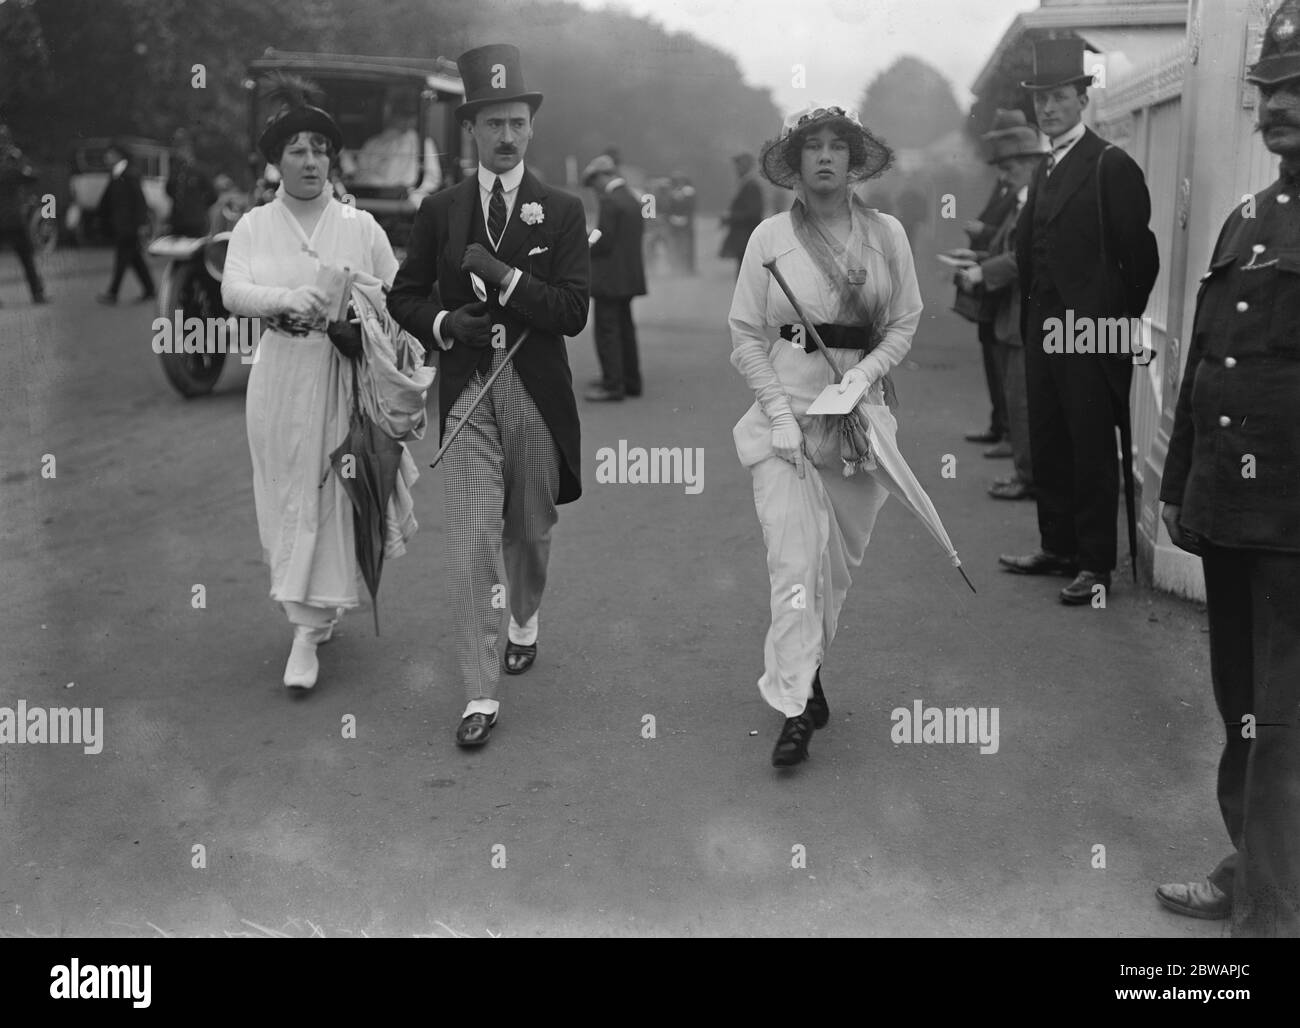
(297, 406)
(815, 529)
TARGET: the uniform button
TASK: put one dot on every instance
(1229, 362)
(1224, 421)
(1243, 306)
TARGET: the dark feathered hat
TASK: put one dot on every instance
(297, 112)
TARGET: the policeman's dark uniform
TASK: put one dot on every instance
(1234, 467)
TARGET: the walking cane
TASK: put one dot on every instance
(591, 241)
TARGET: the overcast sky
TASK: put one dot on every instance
(843, 44)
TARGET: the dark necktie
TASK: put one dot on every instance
(496, 214)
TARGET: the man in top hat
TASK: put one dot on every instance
(745, 212)
(1230, 495)
(617, 275)
(1001, 202)
(518, 456)
(1018, 151)
(1085, 255)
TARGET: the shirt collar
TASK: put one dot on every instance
(614, 183)
(118, 168)
(509, 181)
(1064, 142)
(1022, 195)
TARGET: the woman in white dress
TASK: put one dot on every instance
(850, 267)
(298, 402)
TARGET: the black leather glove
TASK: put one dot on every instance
(346, 337)
(483, 264)
(469, 325)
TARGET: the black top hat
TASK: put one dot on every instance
(1057, 62)
(1279, 56)
(492, 75)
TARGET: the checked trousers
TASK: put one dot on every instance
(500, 484)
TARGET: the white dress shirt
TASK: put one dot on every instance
(1063, 144)
(510, 189)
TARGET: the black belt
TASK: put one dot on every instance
(837, 337)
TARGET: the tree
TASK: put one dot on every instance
(910, 104)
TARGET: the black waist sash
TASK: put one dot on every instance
(837, 337)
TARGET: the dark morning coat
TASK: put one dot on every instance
(617, 265)
(551, 298)
(1074, 241)
(1234, 454)
(122, 209)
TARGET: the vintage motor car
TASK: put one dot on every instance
(401, 142)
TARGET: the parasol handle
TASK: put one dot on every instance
(808, 325)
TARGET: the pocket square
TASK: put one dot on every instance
(537, 249)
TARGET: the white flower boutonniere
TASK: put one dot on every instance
(531, 214)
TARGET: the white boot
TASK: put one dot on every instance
(301, 670)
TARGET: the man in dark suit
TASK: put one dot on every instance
(1001, 202)
(123, 213)
(745, 212)
(617, 275)
(518, 455)
(1085, 255)
(1230, 495)
(16, 178)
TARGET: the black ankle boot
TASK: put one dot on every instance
(818, 709)
(792, 744)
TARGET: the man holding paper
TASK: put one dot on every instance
(517, 457)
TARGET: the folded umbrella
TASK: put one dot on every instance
(366, 463)
(896, 475)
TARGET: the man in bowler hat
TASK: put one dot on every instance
(1084, 251)
(518, 456)
(617, 276)
(1230, 495)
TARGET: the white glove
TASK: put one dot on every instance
(854, 378)
(787, 440)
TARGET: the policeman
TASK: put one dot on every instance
(1231, 493)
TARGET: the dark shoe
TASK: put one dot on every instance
(818, 709)
(1040, 563)
(1195, 899)
(474, 729)
(632, 392)
(1079, 591)
(106, 298)
(601, 395)
(1002, 451)
(519, 658)
(982, 437)
(1016, 490)
(42, 298)
(792, 744)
